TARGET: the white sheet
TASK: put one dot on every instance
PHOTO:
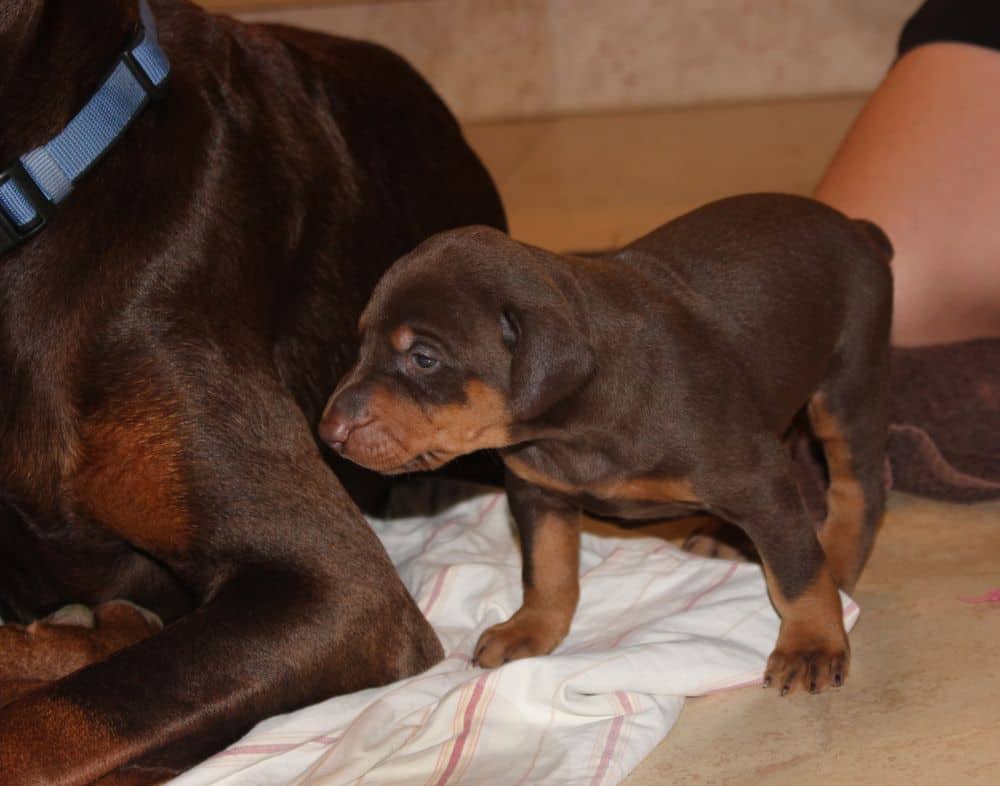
(654, 625)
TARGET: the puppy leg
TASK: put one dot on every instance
(849, 415)
(812, 651)
(550, 553)
(67, 640)
(855, 452)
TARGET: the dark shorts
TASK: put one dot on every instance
(965, 21)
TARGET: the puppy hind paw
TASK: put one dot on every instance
(813, 670)
(720, 541)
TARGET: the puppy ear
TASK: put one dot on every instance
(551, 359)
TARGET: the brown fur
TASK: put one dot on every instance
(812, 650)
(405, 437)
(46, 650)
(551, 593)
(80, 738)
(166, 344)
(128, 476)
(654, 382)
(841, 534)
(647, 489)
(640, 489)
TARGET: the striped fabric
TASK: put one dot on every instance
(654, 625)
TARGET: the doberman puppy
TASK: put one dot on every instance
(653, 382)
(166, 345)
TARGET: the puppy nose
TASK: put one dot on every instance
(334, 430)
(343, 414)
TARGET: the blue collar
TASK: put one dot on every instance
(32, 186)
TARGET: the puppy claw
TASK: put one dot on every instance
(813, 670)
(525, 635)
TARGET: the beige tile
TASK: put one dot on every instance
(594, 181)
(522, 58)
(920, 707)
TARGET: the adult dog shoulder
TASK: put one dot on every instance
(166, 344)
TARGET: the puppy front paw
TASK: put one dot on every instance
(526, 634)
(802, 659)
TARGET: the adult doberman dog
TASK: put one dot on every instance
(166, 345)
(654, 382)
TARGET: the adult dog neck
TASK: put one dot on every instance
(55, 53)
(20, 21)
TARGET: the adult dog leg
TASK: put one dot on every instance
(298, 602)
(67, 640)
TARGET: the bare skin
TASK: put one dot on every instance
(923, 161)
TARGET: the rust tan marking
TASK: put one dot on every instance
(129, 475)
(87, 748)
(642, 488)
(549, 601)
(402, 338)
(529, 474)
(402, 434)
(812, 650)
(12, 690)
(555, 561)
(647, 489)
(842, 530)
(45, 650)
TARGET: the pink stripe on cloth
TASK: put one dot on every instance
(721, 582)
(483, 513)
(277, 747)
(436, 590)
(470, 713)
(604, 562)
(439, 582)
(609, 750)
(641, 594)
(613, 735)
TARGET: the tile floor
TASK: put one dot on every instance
(922, 706)
(593, 181)
(523, 58)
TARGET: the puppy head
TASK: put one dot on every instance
(467, 343)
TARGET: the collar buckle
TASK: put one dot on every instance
(153, 90)
(11, 234)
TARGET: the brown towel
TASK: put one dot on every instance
(944, 437)
(944, 430)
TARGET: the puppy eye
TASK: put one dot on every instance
(423, 361)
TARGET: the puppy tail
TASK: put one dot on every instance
(878, 239)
